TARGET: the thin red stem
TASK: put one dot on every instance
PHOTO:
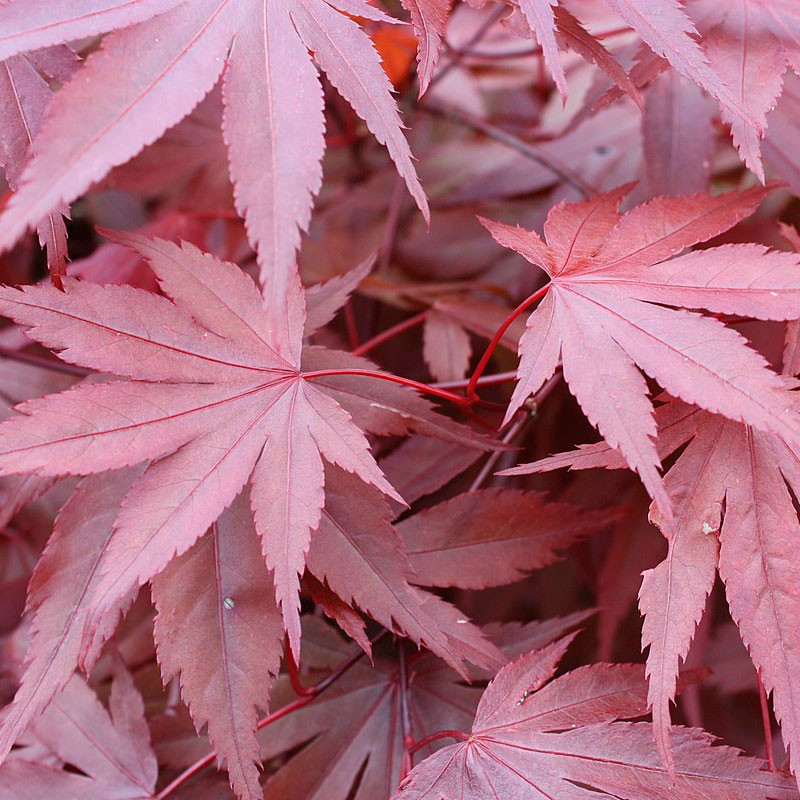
(434, 737)
(458, 399)
(390, 333)
(295, 705)
(294, 677)
(499, 333)
(351, 324)
(765, 722)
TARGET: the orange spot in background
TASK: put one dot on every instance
(397, 48)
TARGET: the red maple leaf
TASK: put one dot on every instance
(531, 738)
(606, 311)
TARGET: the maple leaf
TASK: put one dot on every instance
(429, 18)
(24, 96)
(111, 748)
(604, 313)
(446, 347)
(752, 43)
(779, 152)
(492, 537)
(732, 490)
(562, 739)
(664, 26)
(274, 115)
(210, 399)
(356, 720)
(360, 556)
(678, 138)
(59, 593)
(218, 628)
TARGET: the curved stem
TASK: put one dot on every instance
(458, 399)
(499, 333)
(509, 436)
(435, 737)
(294, 677)
(456, 56)
(464, 118)
(390, 333)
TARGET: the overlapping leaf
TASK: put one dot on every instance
(357, 721)
(492, 537)
(733, 490)
(274, 119)
(606, 311)
(219, 631)
(752, 43)
(210, 399)
(562, 739)
(24, 96)
(111, 748)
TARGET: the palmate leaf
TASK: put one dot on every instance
(561, 739)
(606, 312)
(111, 748)
(211, 400)
(274, 120)
(752, 45)
(733, 490)
(356, 721)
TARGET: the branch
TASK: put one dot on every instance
(548, 161)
